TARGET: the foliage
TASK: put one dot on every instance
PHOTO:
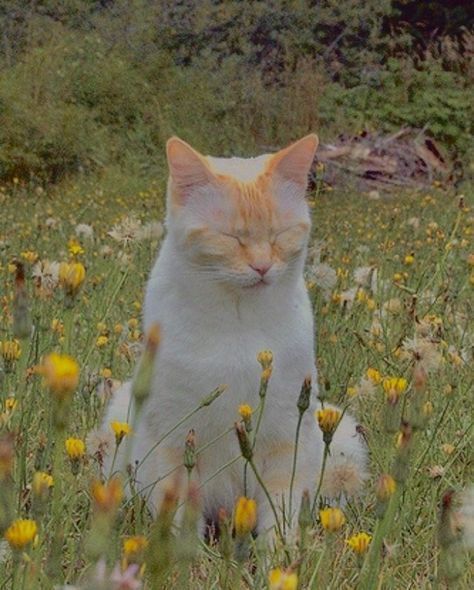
(87, 86)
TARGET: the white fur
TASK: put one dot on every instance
(211, 335)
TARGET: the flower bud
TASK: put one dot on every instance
(305, 395)
(245, 516)
(244, 442)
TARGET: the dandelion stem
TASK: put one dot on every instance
(293, 470)
(269, 498)
(321, 477)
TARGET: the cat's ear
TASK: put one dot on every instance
(293, 164)
(188, 168)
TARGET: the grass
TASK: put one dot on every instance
(421, 248)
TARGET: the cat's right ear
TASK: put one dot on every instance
(188, 169)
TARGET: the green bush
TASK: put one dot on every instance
(70, 105)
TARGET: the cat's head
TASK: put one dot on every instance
(244, 222)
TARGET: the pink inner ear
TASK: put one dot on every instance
(294, 162)
(188, 168)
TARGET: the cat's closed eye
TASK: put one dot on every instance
(238, 239)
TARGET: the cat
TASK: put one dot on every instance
(227, 284)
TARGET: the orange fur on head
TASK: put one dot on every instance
(241, 214)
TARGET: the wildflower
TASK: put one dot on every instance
(57, 326)
(423, 352)
(60, 374)
(134, 547)
(71, 277)
(332, 519)
(245, 412)
(344, 478)
(394, 387)
(409, 259)
(448, 448)
(279, 579)
(359, 543)
(352, 391)
(126, 231)
(190, 451)
(141, 384)
(121, 430)
(304, 396)
(102, 341)
(21, 533)
(42, 483)
(325, 278)
(6, 457)
(75, 249)
(328, 420)
(244, 442)
(265, 358)
(385, 487)
(75, 448)
(245, 516)
(10, 350)
(107, 496)
(100, 444)
(84, 230)
(30, 256)
(374, 375)
(10, 404)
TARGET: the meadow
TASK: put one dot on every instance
(391, 282)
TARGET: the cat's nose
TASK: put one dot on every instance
(261, 268)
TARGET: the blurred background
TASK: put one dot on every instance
(94, 88)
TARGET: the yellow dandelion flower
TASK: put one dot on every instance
(448, 448)
(352, 391)
(328, 419)
(42, 482)
(385, 487)
(265, 358)
(409, 259)
(332, 519)
(60, 374)
(75, 249)
(102, 341)
(374, 375)
(245, 516)
(132, 323)
(133, 548)
(245, 412)
(30, 256)
(6, 457)
(279, 579)
(394, 387)
(75, 448)
(108, 496)
(106, 373)
(10, 350)
(10, 404)
(21, 533)
(57, 326)
(71, 277)
(359, 543)
(120, 429)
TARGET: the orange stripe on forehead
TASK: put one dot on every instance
(253, 200)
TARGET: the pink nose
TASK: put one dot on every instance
(262, 269)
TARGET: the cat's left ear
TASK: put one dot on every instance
(293, 164)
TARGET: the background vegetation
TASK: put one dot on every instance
(99, 85)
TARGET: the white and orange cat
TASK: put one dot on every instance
(227, 284)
